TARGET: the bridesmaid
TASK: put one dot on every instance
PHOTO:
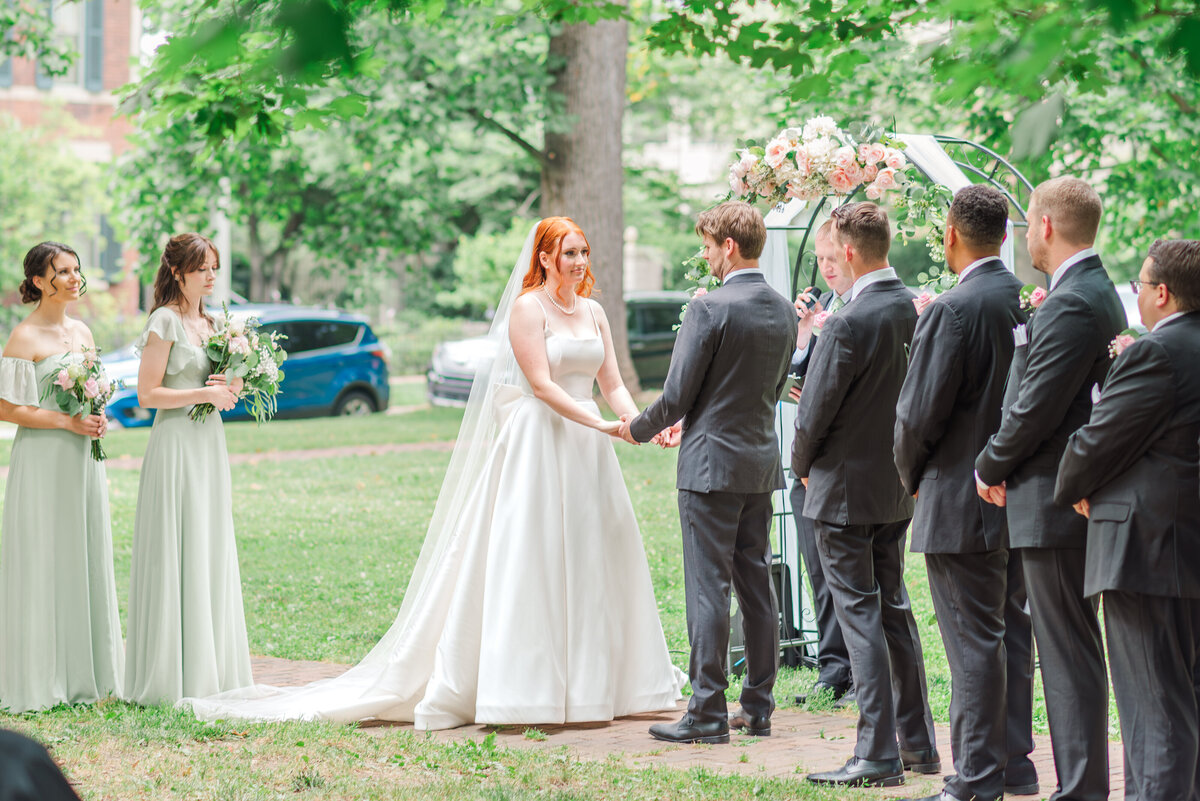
(187, 633)
(60, 635)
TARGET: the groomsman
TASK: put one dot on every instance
(949, 406)
(834, 679)
(1134, 471)
(1060, 356)
(859, 507)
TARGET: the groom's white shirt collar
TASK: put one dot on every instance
(967, 270)
(1167, 319)
(741, 272)
(1069, 263)
(870, 278)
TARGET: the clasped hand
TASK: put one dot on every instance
(997, 495)
(92, 425)
(221, 392)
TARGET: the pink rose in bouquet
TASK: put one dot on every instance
(91, 388)
(64, 379)
(874, 192)
(886, 179)
(82, 389)
(776, 153)
(841, 183)
(844, 156)
(870, 172)
(803, 162)
(872, 153)
(894, 158)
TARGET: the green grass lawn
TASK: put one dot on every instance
(326, 547)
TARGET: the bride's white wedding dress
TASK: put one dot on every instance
(537, 609)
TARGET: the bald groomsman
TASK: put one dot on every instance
(949, 405)
(1060, 356)
(1134, 470)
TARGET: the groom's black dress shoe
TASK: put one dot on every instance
(924, 761)
(945, 796)
(754, 725)
(825, 688)
(691, 731)
(1019, 780)
(863, 773)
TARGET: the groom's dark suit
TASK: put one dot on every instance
(1137, 463)
(833, 662)
(949, 406)
(727, 371)
(1049, 396)
(843, 445)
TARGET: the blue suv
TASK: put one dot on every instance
(335, 366)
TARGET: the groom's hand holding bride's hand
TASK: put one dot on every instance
(669, 437)
(624, 431)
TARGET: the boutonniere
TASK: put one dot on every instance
(819, 322)
(1122, 341)
(1032, 297)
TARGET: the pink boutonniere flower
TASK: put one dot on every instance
(921, 301)
(1122, 341)
(1032, 297)
(819, 321)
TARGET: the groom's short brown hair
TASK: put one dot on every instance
(738, 221)
(1073, 207)
(865, 226)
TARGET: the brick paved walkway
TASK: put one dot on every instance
(802, 742)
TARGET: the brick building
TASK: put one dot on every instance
(105, 35)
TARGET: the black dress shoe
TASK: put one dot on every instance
(754, 725)
(1019, 782)
(690, 731)
(863, 773)
(924, 761)
(944, 795)
(824, 688)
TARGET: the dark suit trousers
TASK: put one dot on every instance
(833, 661)
(864, 566)
(1073, 674)
(1018, 647)
(726, 540)
(27, 772)
(1154, 646)
(969, 593)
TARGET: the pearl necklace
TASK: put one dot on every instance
(553, 302)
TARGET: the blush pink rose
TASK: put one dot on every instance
(1037, 296)
(840, 182)
(747, 161)
(63, 380)
(872, 153)
(803, 162)
(855, 172)
(90, 388)
(737, 185)
(700, 292)
(886, 179)
(921, 301)
(776, 154)
(874, 192)
(870, 172)
(844, 156)
(819, 320)
(894, 159)
(1122, 342)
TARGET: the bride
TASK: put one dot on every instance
(531, 601)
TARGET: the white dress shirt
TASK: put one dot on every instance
(1068, 264)
(967, 270)
(1168, 319)
(741, 272)
(870, 278)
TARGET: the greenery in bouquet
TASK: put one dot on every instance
(82, 388)
(239, 350)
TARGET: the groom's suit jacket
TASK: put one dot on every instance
(1049, 396)
(727, 371)
(847, 410)
(950, 405)
(1138, 464)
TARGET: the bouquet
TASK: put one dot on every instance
(82, 389)
(239, 349)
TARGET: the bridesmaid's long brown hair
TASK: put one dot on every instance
(184, 253)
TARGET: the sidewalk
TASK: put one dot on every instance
(801, 742)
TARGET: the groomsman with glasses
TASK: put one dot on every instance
(949, 405)
(1060, 356)
(859, 507)
(834, 679)
(1134, 471)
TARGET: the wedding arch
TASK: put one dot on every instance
(950, 161)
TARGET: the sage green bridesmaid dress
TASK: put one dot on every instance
(60, 633)
(187, 630)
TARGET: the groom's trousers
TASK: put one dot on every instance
(864, 565)
(726, 542)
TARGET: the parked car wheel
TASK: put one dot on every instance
(355, 403)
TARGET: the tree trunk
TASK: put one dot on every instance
(256, 258)
(583, 175)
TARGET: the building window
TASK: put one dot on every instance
(6, 73)
(79, 26)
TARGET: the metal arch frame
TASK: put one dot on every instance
(992, 172)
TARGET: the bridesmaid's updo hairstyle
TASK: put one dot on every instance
(38, 261)
(548, 239)
(184, 253)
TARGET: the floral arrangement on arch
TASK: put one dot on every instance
(815, 160)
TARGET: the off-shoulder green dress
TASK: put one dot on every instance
(60, 633)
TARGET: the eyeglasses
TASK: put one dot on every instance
(1136, 285)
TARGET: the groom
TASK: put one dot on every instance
(727, 371)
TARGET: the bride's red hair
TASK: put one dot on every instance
(548, 239)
